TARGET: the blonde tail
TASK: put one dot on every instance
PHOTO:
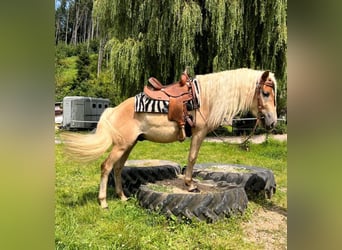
(88, 147)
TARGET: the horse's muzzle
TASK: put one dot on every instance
(271, 126)
(268, 121)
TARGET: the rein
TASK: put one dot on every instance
(259, 117)
(244, 143)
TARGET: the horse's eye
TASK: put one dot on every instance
(266, 94)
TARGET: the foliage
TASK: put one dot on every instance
(76, 74)
(281, 128)
(81, 224)
(139, 39)
(82, 65)
(161, 38)
(73, 21)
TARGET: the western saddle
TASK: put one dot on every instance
(178, 94)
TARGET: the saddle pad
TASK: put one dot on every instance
(146, 105)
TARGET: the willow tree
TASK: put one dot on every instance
(160, 38)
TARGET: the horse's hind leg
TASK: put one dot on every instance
(118, 166)
(114, 158)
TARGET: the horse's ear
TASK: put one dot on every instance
(265, 75)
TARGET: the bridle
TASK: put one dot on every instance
(260, 115)
(258, 92)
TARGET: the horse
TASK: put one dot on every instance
(223, 95)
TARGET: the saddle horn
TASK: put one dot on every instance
(184, 77)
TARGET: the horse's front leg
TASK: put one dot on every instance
(196, 142)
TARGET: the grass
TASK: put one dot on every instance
(81, 224)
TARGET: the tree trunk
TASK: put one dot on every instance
(89, 33)
(76, 25)
(66, 27)
(92, 29)
(101, 53)
(57, 31)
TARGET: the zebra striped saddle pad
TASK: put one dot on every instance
(146, 105)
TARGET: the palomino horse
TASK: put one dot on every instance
(222, 95)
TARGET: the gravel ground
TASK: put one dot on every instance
(238, 139)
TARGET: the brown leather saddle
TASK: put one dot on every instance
(178, 94)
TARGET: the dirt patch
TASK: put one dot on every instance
(225, 168)
(177, 185)
(267, 227)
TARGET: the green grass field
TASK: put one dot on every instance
(80, 223)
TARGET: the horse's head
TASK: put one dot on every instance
(264, 103)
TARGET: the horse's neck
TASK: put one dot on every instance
(225, 96)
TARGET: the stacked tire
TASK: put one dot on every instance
(233, 188)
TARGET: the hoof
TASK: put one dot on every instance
(194, 190)
(192, 187)
(105, 207)
(123, 198)
(103, 204)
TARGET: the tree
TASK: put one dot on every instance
(82, 65)
(144, 38)
(161, 38)
(73, 21)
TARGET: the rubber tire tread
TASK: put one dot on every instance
(134, 177)
(259, 182)
(208, 207)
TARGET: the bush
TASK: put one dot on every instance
(281, 128)
(63, 50)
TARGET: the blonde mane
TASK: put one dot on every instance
(228, 93)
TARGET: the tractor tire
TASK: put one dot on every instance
(257, 182)
(208, 207)
(233, 186)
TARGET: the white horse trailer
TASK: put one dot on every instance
(80, 112)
